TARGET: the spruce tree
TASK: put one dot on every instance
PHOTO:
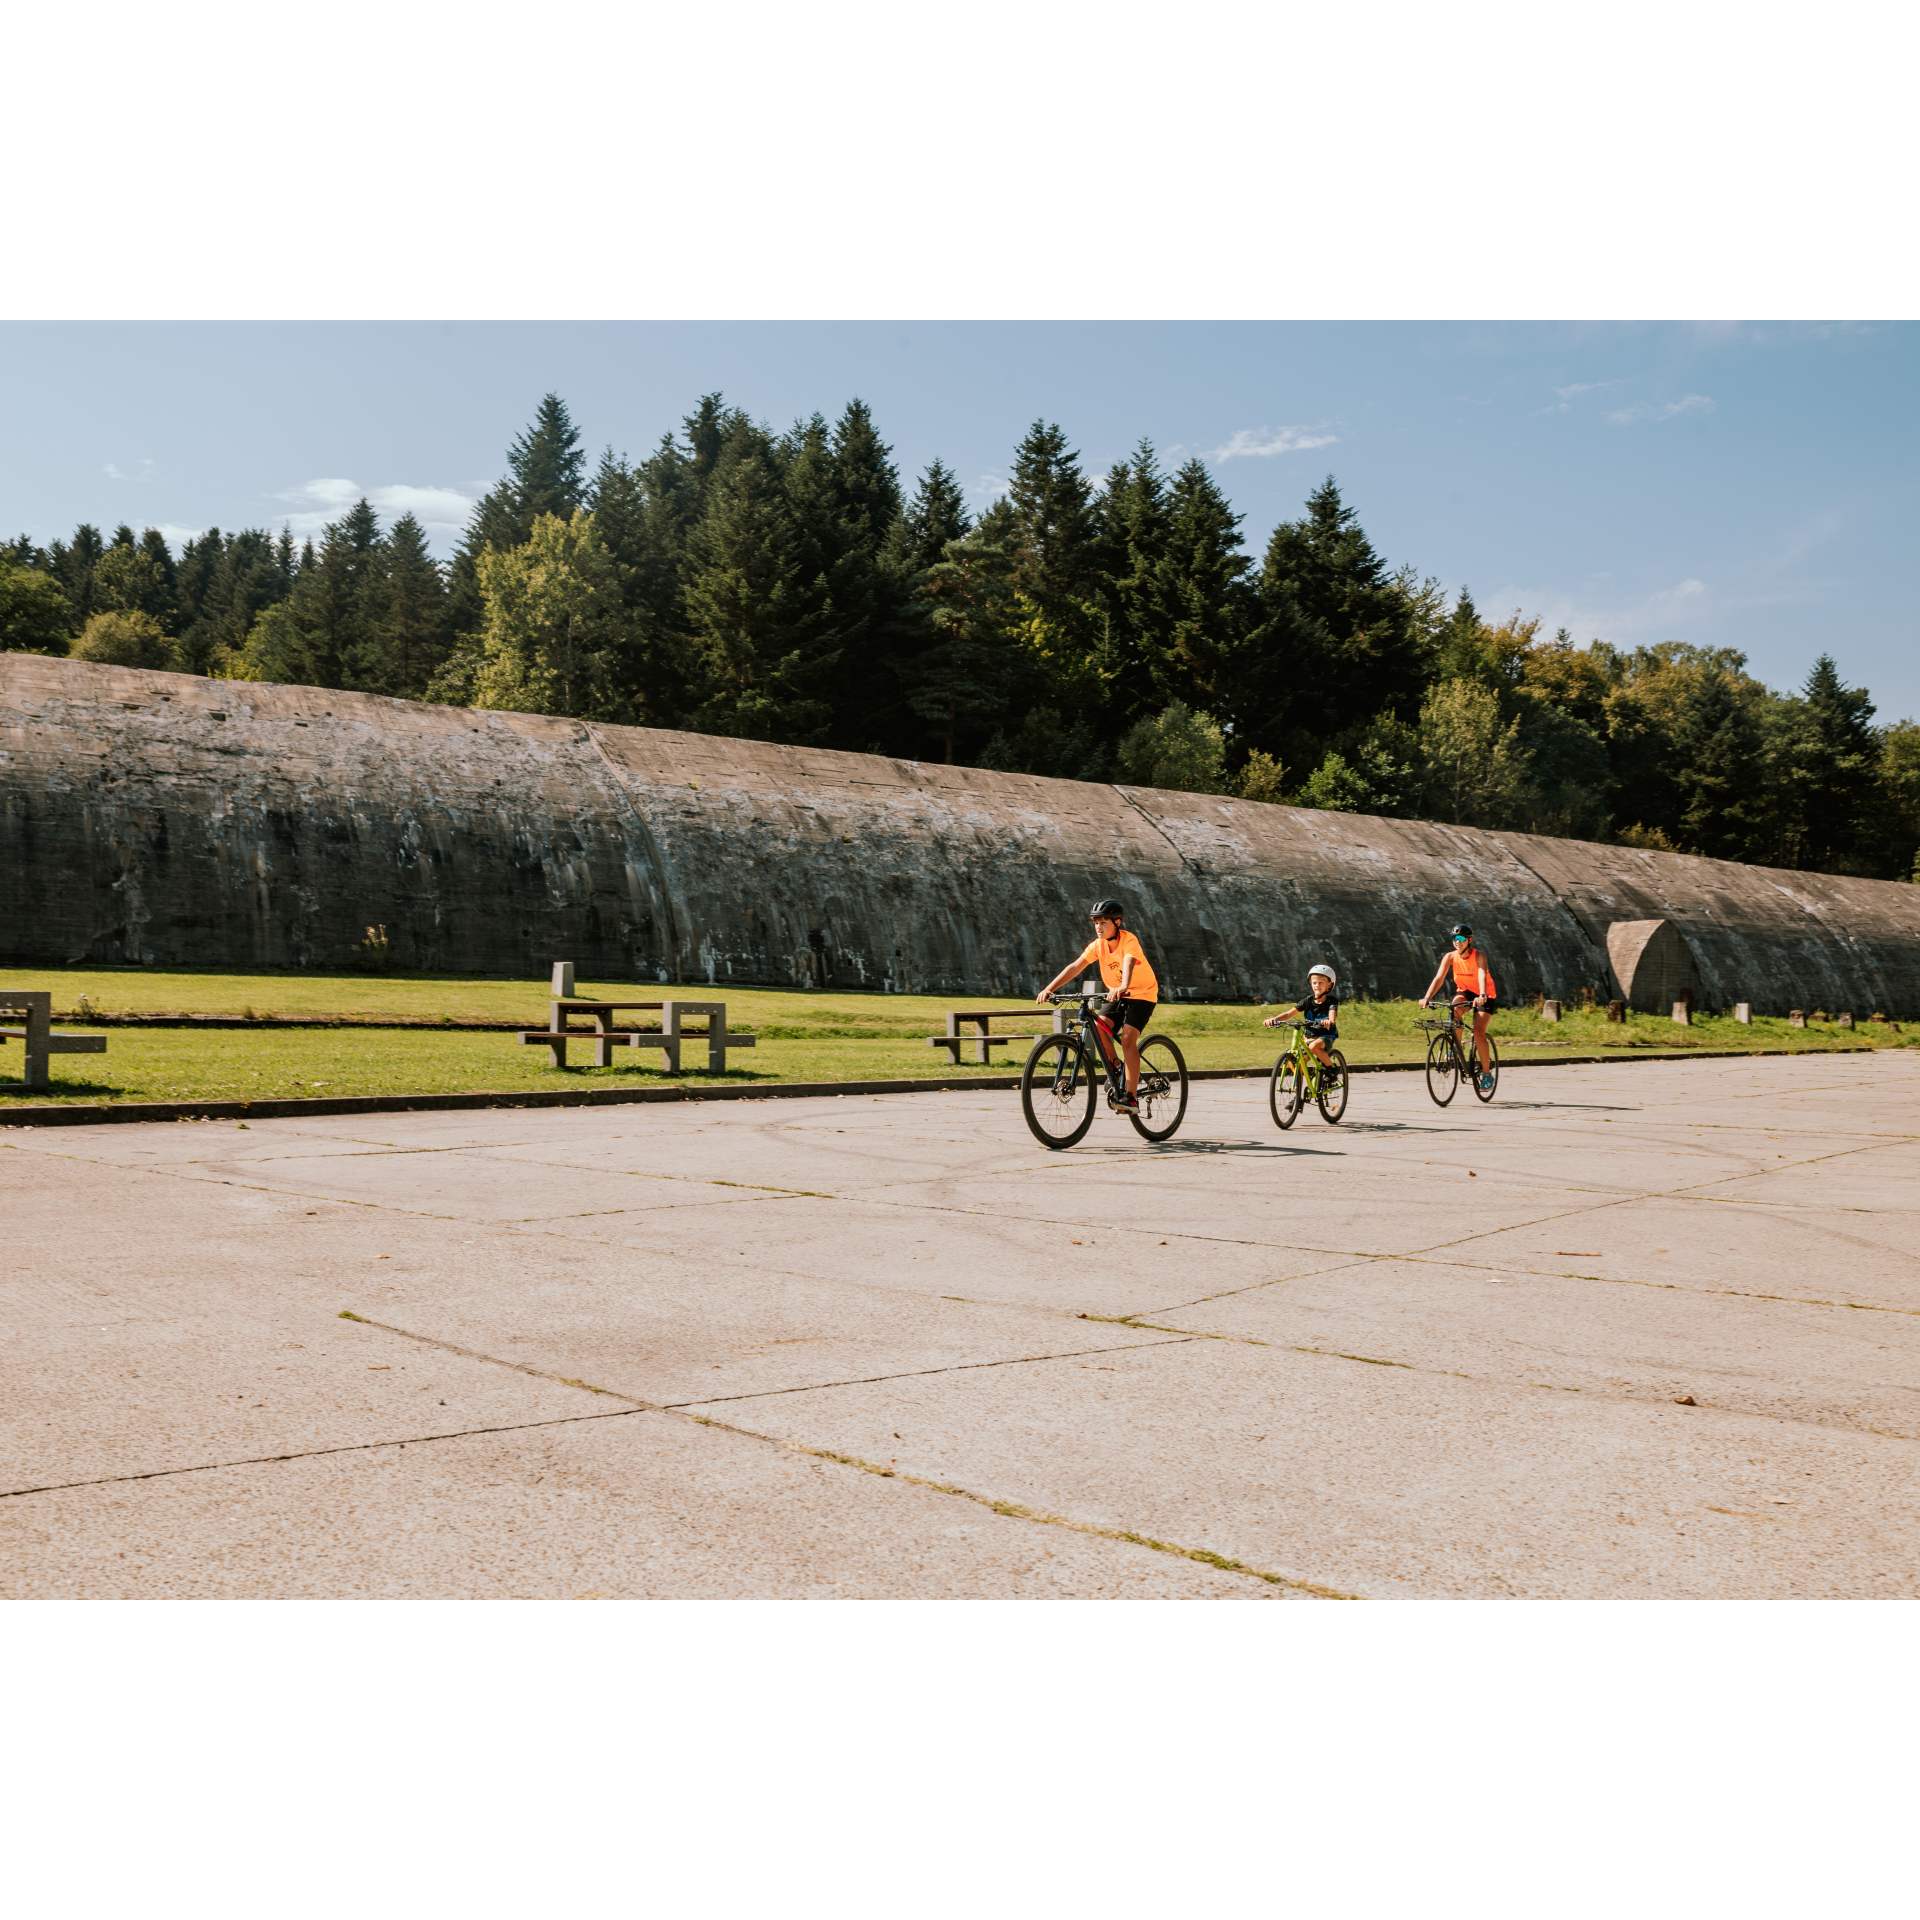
(1329, 592)
(936, 515)
(959, 683)
(1203, 573)
(1830, 762)
(72, 564)
(1059, 526)
(403, 630)
(324, 638)
(754, 611)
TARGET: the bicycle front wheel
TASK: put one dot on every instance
(1487, 1084)
(1333, 1087)
(1163, 1089)
(1057, 1090)
(1443, 1069)
(1286, 1091)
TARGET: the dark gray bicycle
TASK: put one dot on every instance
(1065, 1071)
(1451, 1058)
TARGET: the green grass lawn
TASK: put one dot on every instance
(802, 1036)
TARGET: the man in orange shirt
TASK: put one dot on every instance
(1472, 979)
(1133, 991)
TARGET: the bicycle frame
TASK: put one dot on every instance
(1311, 1065)
(1095, 1032)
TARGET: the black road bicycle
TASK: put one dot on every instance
(1452, 1058)
(1064, 1072)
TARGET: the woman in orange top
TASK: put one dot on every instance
(1472, 979)
(1133, 991)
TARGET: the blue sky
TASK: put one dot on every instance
(1736, 485)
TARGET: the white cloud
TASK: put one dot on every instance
(113, 472)
(1598, 610)
(440, 510)
(436, 508)
(1587, 386)
(1257, 444)
(1654, 410)
(989, 487)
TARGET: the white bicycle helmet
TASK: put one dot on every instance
(1325, 972)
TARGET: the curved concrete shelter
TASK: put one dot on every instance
(166, 820)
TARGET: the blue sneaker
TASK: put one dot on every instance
(1486, 1083)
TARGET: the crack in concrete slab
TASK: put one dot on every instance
(1454, 1373)
(683, 1410)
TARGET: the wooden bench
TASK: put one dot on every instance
(982, 1037)
(603, 1036)
(38, 1037)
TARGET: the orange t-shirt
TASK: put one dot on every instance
(1143, 986)
(1471, 974)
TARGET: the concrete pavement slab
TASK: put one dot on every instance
(1828, 1365)
(1528, 1280)
(642, 1507)
(1388, 1482)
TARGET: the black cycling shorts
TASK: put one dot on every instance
(1130, 1013)
(1465, 1003)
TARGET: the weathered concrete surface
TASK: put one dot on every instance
(162, 819)
(1424, 1354)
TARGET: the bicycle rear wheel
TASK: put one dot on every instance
(1333, 1088)
(1163, 1089)
(1057, 1090)
(1285, 1091)
(1492, 1073)
(1443, 1069)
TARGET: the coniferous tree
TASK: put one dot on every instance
(323, 636)
(1205, 588)
(959, 683)
(754, 611)
(1059, 527)
(1829, 763)
(403, 638)
(1328, 597)
(936, 515)
(72, 565)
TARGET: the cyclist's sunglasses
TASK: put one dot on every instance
(1459, 939)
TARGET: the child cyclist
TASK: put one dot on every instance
(1472, 980)
(1319, 1013)
(1133, 991)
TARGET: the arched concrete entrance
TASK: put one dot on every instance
(1652, 964)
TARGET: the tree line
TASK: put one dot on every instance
(786, 587)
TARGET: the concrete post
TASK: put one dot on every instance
(563, 979)
(1743, 1012)
(1797, 1018)
(1682, 1014)
(1550, 1010)
(1617, 1012)
(1843, 1020)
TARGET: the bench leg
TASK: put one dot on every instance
(717, 1043)
(39, 1024)
(670, 1033)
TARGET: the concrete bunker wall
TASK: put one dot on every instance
(160, 819)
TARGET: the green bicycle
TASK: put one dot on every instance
(1299, 1076)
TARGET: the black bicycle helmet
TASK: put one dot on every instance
(1106, 910)
(1461, 933)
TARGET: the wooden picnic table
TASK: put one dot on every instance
(603, 1035)
(982, 1037)
(37, 1034)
